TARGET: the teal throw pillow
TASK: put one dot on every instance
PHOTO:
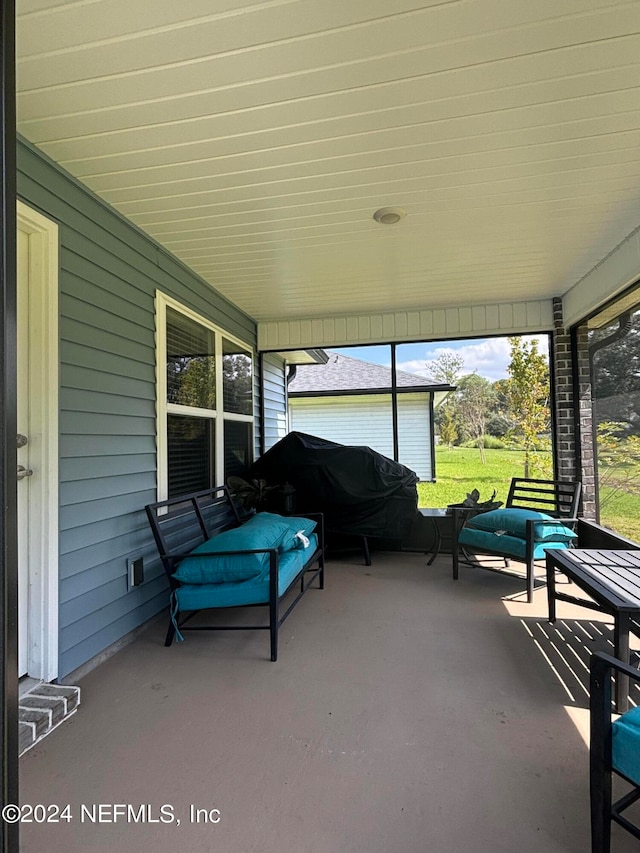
(295, 525)
(514, 522)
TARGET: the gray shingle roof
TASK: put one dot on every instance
(342, 373)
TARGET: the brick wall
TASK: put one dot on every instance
(574, 451)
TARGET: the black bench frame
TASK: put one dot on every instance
(182, 523)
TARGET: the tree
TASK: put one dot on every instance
(445, 369)
(528, 396)
(448, 427)
(473, 400)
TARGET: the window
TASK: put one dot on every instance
(205, 402)
(613, 341)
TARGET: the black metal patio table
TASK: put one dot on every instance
(612, 580)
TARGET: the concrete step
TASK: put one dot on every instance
(42, 709)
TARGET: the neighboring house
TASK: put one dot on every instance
(349, 401)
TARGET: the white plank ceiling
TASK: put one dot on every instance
(255, 141)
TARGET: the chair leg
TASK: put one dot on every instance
(367, 552)
(273, 627)
(600, 760)
(171, 632)
(600, 812)
(530, 579)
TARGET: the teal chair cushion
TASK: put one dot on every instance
(513, 522)
(510, 546)
(626, 745)
(255, 590)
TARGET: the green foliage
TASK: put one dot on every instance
(527, 393)
(472, 403)
(618, 461)
(491, 442)
(448, 426)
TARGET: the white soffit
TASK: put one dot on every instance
(255, 141)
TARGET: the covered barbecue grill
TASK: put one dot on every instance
(359, 491)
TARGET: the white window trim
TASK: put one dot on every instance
(164, 408)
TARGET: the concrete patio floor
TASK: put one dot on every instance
(406, 713)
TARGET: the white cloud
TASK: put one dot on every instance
(488, 357)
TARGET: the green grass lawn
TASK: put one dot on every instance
(460, 470)
(621, 513)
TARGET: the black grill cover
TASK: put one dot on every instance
(358, 490)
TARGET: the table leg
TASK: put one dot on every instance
(621, 651)
(438, 541)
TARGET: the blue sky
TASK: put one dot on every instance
(488, 357)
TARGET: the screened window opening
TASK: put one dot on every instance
(614, 358)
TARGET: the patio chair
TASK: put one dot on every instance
(615, 748)
(538, 515)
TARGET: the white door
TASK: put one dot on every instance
(24, 452)
(37, 439)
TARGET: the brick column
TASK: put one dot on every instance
(574, 453)
(585, 438)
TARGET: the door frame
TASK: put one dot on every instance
(44, 384)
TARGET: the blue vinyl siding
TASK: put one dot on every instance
(275, 400)
(109, 273)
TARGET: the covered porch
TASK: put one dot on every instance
(407, 712)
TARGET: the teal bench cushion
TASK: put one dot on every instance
(252, 591)
(206, 564)
(513, 522)
(511, 546)
(626, 745)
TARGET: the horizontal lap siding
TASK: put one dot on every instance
(414, 434)
(275, 400)
(367, 420)
(109, 273)
(354, 421)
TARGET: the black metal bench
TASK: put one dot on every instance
(182, 523)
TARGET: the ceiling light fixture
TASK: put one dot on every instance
(389, 215)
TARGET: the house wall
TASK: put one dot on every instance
(367, 420)
(109, 272)
(275, 400)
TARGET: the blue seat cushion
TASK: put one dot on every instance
(626, 745)
(510, 546)
(206, 564)
(252, 591)
(513, 521)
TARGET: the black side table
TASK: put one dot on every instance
(436, 517)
